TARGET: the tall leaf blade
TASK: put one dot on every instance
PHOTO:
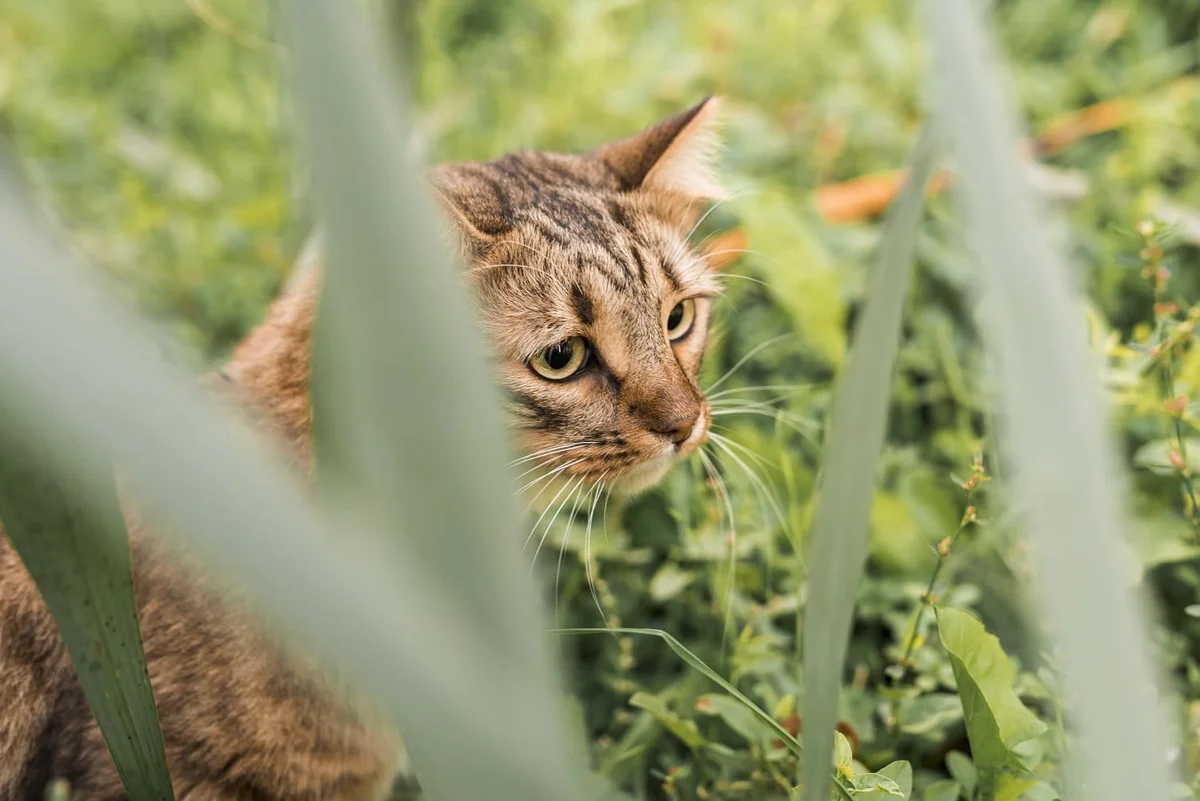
(1052, 427)
(403, 385)
(93, 377)
(853, 445)
(73, 542)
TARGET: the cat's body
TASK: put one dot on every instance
(597, 311)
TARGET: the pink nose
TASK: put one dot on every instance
(680, 428)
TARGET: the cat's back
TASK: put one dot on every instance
(237, 720)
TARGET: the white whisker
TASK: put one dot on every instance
(753, 351)
(762, 388)
(546, 510)
(552, 449)
(587, 551)
(542, 478)
(723, 494)
(546, 531)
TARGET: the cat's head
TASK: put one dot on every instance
(598, 309)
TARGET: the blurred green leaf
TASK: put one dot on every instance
(944, 790)
(70, 534)
(852, 448)
(685, 730)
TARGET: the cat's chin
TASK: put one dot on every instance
(646, 474)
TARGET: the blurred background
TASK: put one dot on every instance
(158, 134)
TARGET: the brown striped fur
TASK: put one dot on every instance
(557, 246)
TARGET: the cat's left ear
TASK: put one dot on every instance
(678, 155)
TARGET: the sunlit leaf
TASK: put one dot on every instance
(996, 719)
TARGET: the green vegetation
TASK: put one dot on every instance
(160, 135)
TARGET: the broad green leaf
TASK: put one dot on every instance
(71, 536)
(1053, 431)
(852, 448)
(685, 730)
(996, 719)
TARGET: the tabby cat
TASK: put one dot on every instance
(597, 310)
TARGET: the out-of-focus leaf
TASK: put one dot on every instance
(852, 448)
(738, 717)
(996, 719)
(1052, 425)
(685, 730)
(1155, 455)
(70, 534)
(944, 790)
(410, 413)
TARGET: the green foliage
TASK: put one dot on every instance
(161, 142)
(997, 722)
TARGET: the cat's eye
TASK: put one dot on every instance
(679, 321)
(561, 361)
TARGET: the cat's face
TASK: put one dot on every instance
(597, 308)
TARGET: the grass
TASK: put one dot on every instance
(163, 142)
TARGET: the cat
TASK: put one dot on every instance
(597, 311)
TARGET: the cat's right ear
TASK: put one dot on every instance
(477, 217)
(676, 156)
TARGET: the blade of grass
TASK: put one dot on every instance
(403, 385)
(80, 562)
(852, 449)
(1052, 424)
(701, 666)
(94, 376)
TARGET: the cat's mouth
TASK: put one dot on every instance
(651, 471)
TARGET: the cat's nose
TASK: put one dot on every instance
(680, 428)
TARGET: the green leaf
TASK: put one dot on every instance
(70, 533)
(945, 790)
(1063, 471)
(928, 714)
(843, 756)
(892, 781)
(685, 730)
(962, 769)
(669, 581)
(1012, 788)
(996, 719)
(901, 773)
(738, 717)
(1154, 455)
(852, 448)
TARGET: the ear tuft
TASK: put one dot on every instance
(677, 155)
